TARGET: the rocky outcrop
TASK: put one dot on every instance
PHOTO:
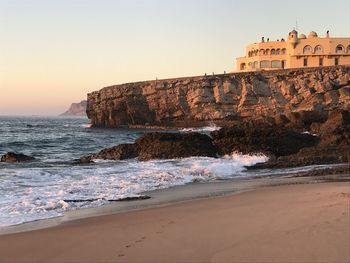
(12, 157)
(119, 152)
(271, 140)
(76, 109)
(333, 146)
(175, 145)
(157, 145)
(299, 96)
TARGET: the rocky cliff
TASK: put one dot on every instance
(193, 101)
(76, 109)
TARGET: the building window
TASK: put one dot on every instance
(242, 66)
(348, 49)
(273, 52)
(339, 49)
(278, 51)
(265, 64)
(307, 50)
(261, 52)
(320, 61)
(284, 51)
(336, 61)
(276, 64)
(267, 52)
(305, 62)
(318, 49)
(256, 64)
(250, 64)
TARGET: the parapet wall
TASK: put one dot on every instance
(194, 101)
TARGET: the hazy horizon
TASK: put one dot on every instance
(52, 53)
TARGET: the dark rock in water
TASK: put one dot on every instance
(119, 152)
(157, 145)
(175, 145)
(84, 160)
(261, 137)
(131, 198)
(12, 157)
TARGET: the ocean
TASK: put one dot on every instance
(46, 187)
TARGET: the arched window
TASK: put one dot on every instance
(250, 64)
(256, 52)
(278, 51)
(267, 51)
(318, 49)
(284, 51)
(256, 64)
(242, 67)
(265, 64)
(339, 49)
(273, 52)
(261, 52)
(348, 49)
(307, 50)
(276, 64)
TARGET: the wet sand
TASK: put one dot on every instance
(307, 222)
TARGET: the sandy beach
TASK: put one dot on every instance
(286, 223)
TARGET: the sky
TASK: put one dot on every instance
(54, 52)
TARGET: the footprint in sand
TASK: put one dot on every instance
(140, 240)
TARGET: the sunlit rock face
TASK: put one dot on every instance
(284, 96)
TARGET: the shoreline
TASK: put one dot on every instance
(182, 194)
(305, 220)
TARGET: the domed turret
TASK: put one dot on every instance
(312, 34)
(293, 38)
(302, 36)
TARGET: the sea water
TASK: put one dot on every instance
(41, 189)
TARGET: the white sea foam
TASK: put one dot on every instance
(86, 125)
(210, 128)
(32, 194)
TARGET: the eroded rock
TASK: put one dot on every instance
(302, 95)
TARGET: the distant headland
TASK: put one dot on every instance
(76, 109)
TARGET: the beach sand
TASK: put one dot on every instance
(287, 223)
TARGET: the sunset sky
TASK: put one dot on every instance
(53, 53)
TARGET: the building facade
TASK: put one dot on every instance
(297, 51)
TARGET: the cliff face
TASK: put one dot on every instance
(76, 109)
(199, 100)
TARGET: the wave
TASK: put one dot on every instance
(33, 193)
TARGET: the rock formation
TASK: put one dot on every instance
(76, 109)
(155, 145)
(12, 157)
(298, 96)
(272, 140)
